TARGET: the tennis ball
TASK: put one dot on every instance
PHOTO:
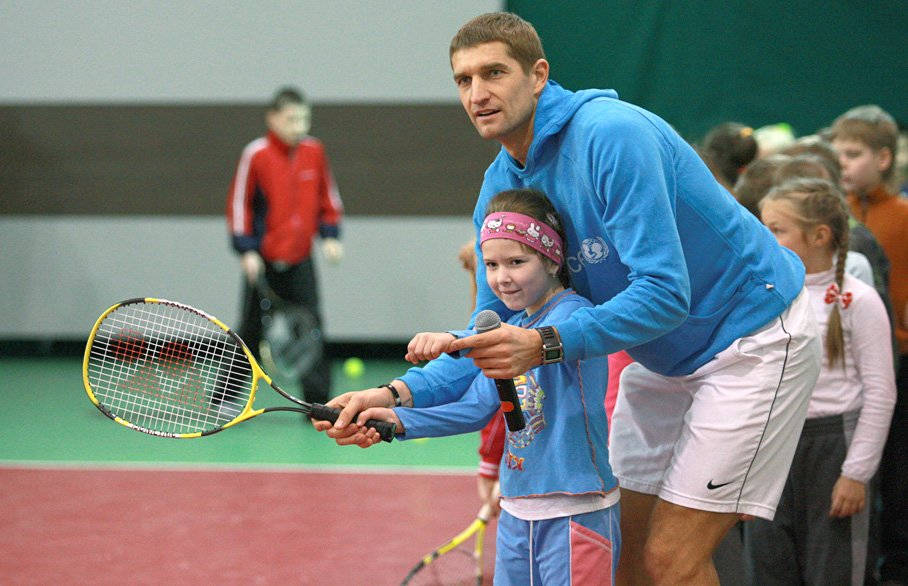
(354, 368)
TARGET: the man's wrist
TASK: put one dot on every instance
(395, 395)
(552, 348)
(399, 392)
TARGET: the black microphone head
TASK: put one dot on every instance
(487, 320)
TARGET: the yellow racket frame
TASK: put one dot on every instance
(257, 373)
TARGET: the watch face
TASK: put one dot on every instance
(552, 351)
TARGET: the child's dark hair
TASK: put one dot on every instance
(284, 97)
(819, 147)
(802, 167)
(818, 202)
(533, 203)
(756, 181)
(730, 146)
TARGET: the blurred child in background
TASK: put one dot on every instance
(819, 534)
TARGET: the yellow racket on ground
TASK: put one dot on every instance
(170, 370)
(457, 561)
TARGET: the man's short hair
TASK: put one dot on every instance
(517, 34)
(870, 125)
(284, 97)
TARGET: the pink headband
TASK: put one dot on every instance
(524, 229)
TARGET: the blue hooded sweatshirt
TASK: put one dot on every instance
(676, 268)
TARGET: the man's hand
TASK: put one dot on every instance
(504, 352)
(848, 497)
(252, 265)
(347, 431)
(333, 250)
(427, 346)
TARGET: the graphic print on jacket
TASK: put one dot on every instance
(531, 401)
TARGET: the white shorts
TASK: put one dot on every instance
(721, 439)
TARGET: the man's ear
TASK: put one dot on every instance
(541, 74)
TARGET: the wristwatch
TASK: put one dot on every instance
(552, 349)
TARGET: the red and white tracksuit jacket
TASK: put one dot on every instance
(280, 197)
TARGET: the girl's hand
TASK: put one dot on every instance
(379, 414)
(489, 494)
(848, 497)
(427, 346)
(346, 431)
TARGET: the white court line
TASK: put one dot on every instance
(233, 468)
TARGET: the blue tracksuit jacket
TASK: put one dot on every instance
(676, 268)
(564, 446)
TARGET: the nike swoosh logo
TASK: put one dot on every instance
(712, 486)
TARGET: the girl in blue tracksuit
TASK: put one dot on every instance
(559, 499)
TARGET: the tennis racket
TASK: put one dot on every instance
(458, 561)
(170, 370)
(291, 340)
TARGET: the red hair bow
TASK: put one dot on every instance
(833, 295)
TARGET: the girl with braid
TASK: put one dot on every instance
(819, 534)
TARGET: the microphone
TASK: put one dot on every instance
(486, 321)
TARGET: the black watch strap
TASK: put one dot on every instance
(552, 349)
(394, 394)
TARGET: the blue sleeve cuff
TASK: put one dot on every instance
(460, 334)
(243, 243)
(329, 231)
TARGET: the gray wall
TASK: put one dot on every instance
(60, 271)
(400, 275)
(202, 51)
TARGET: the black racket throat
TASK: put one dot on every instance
(321, 412)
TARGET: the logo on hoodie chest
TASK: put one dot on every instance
(592, 251)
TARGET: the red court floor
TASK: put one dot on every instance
(138, 526)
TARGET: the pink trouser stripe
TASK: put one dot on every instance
(591, 557)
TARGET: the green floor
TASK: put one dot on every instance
(47, 419)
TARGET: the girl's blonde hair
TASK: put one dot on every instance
(817, 202)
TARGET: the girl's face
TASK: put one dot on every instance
(811, 245)
(520, 278)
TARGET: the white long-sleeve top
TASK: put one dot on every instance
(867, 381)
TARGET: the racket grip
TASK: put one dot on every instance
(321, 412)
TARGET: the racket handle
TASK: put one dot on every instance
(324, 413)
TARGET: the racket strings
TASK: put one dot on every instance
(169, 369)
(458, 566)
(292, 339)
(457, 562)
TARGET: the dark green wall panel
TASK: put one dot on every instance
(700, 63)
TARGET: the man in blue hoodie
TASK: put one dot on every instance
(697, 291)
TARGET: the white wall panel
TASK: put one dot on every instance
(173, 50)
(57, 274)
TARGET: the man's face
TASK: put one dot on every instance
(862, 167)
(290, 123)
(498, 96)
